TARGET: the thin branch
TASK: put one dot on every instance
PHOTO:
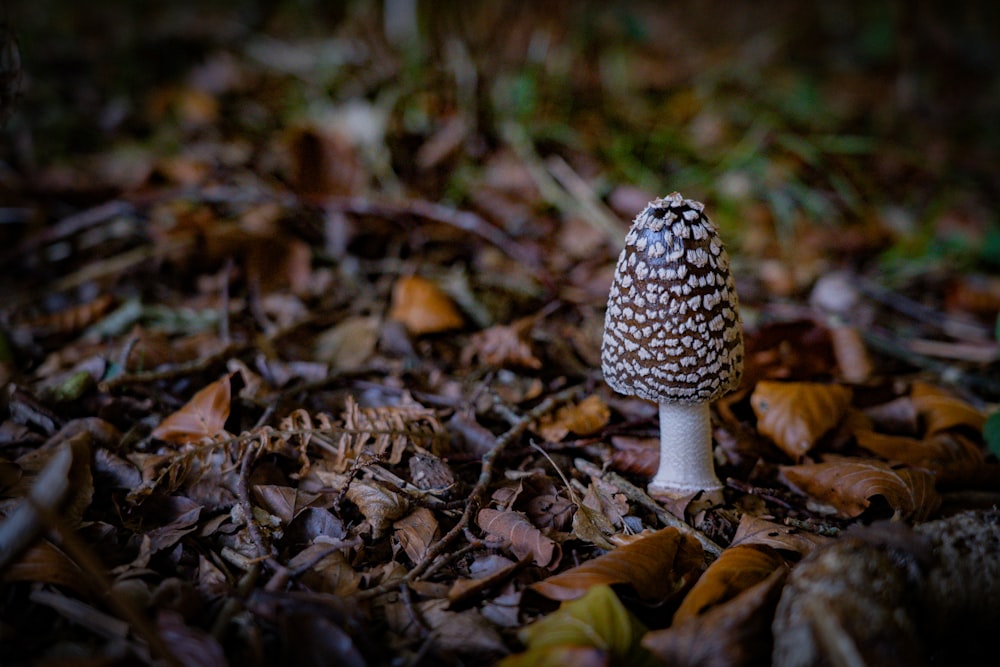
(174, 371)
(637, 495)
(478, 492)
(466, 221)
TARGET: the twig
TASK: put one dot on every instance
(478, 491)
(175, 371)
(264, 551)
(464, 220)
(573, 202)
(637, 495)
(595, 211)
(760, 492)
(74, 224)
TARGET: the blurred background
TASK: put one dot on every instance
(823, 137)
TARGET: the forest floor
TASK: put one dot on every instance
(301, 312)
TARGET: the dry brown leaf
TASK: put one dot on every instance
(735, 634)
(497, 570)
(379, 505)
(46, 563)
(422, 307)
(637, 456)
(655, 567)
(415, 532)
(737, 569)
(941, 411)
(331, 574)
(348, 345)
(505, 345)
(202, 418)
(851, 353)
(754, 530)
(848, 485)
(795, 415)
(582, 418)
(514, 529)
(941, 452)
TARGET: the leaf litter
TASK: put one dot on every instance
(299, 359)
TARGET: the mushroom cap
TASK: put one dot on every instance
(672, 332)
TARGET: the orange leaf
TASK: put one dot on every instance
(524, 539)
(797, 414)
(422, 307)
(583, 418)
(655, 567)
(754, 530)
(736, 570)
(942, 453)
(941, 411)
(849, 485)
(202, 418)
(735, 633)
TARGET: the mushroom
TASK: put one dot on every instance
(673, 335)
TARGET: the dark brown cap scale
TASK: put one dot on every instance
(672, 332)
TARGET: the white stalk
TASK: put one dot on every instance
(686, 463)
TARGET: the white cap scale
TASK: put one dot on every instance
(672, 334)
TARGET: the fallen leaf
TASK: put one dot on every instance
(422, 307)
(583, 418)
(637, 456)
(349, 344)
(416, 532)
(737, 569)
(379, 505)
(795, 415)
(596, 620)
(514, 529)
(734, 634)
(497, 571)
(46, 563)
(754, 530)
(505, 345)
(951, 457)
(200, 419)
(848, 485)
(941, 411)
(655, 567)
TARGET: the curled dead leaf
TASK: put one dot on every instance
(734, 634)
(849, 485)
(795, 415)
(754, 530)
(655, 567)
(379, 505)
(953, 458)
(941, 411)
(200, 419)
(737, 569)
(514, 529)
(415, 533)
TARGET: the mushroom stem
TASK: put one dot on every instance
(686, 463)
